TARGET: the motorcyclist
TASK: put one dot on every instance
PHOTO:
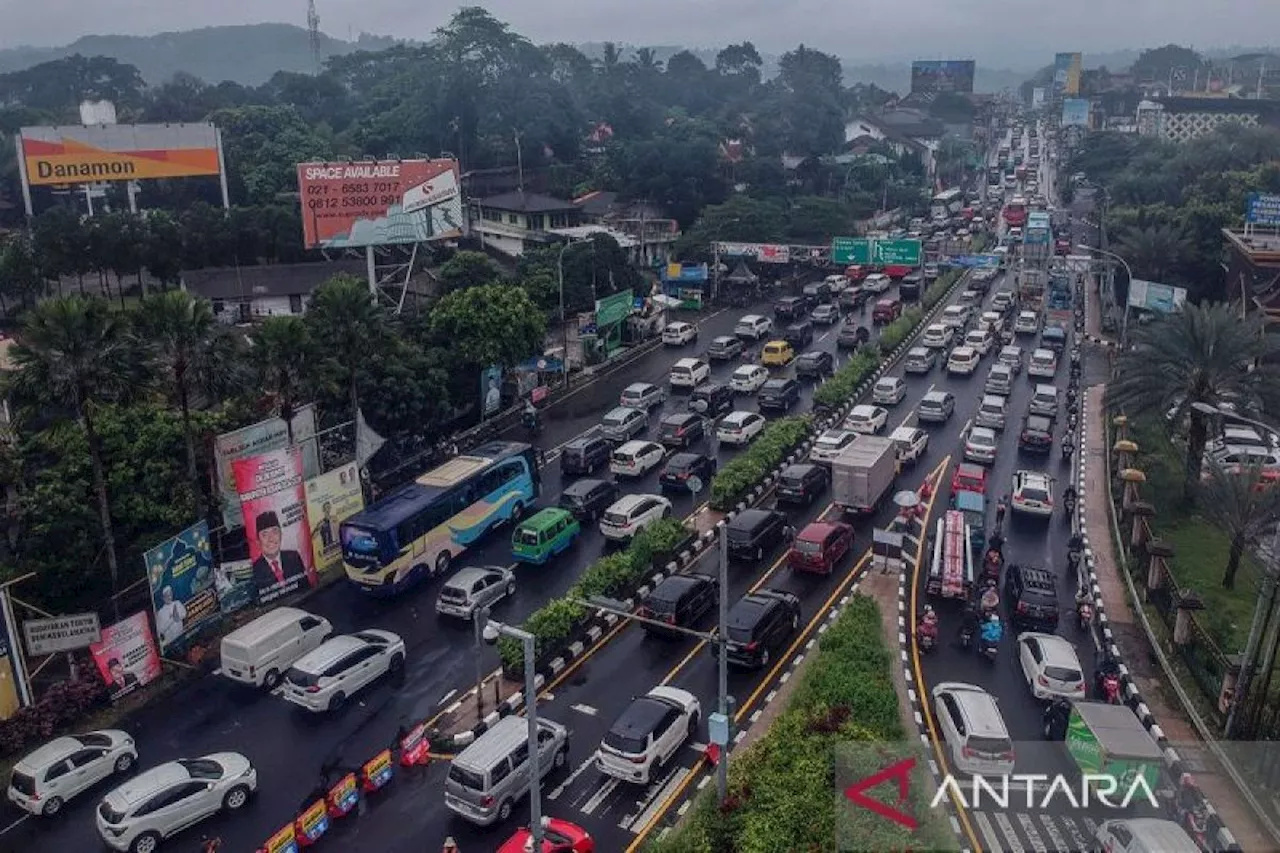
(530, 414)
(1190, 800)
(1002, 506)
(928, 620)
(990, 599)
(992, 631)
(1075, 550)
(970, 621)
(1056, 718)
(1107, 665)
(1069, 498)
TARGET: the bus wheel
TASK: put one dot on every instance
(442, 563)
(517, 511)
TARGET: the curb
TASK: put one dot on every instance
(1225, 840)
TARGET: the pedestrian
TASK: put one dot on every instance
(1000, 509)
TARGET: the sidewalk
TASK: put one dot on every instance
(1131, 639)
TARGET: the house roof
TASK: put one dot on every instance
(526, 202)
(597, 202)
(266, 280)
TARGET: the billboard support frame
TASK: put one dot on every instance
(16, 651)
(22, 174)
(222, 170)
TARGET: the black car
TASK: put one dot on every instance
(588, 498)
(1032, 597)
(853, 297)
(790, 307)
(681, 430)
(760, 625)
(1036, 435)
(801, 483)
(724, 348)
(851, 336)
(910, 287)
(799, 334)
(778, 395)
(754, 532)
(711, 399)
(585, 454)
(679, 468)
(815, 364)
(679, 601)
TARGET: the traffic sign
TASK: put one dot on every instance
(850, 250)
(903, 252)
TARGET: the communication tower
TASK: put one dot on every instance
(313, 29)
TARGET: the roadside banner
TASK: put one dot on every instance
(271, 434)
(377, 771)
(1153, 296)
(312, 824)
(183, 593)
(284, 841)
(127, 657)
(332, 498)
(344, 796)
(234, 581)
(490, 390)
(273, 501)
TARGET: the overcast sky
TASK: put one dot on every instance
(1018, 30)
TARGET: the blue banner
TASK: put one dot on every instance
(1263, 209)
(180, 574)
(975, 261)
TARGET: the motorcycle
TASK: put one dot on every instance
(927, 635)
(991, 565)
(990, 601)
(1068, 447)
(1069, 504)
(1071, 422)
(1084, 613)
(989, 650)
(532, 423)
(967, 633)
(1109, 684)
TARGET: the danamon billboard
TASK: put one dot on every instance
(78, 154)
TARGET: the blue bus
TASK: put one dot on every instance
(420, 528)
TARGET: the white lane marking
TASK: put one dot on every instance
(1078, 840)
(585, 709)
(1055, 837)
(655, 801)
(1029, 827)
(17, 823)
(577, 771)
(600, 795)
(987, 830)
(444, 700)
(1010, 837)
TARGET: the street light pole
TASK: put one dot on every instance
(491, 631)
(1124, 323)
(564, 322)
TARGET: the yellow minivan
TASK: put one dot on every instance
(777, 353)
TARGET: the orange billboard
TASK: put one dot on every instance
(118, 152)
(379, 202)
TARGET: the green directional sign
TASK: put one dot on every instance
(850, 250)
(903, 252)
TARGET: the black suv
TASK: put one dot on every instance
(799, 334)
(815, 364)
(724, 348)
(711, 399)
(790, 307)
(585, 454)
(680, 601)
(1032, 597)
(681, 430)
(909, 288)
(754, 533)
(778, 395)
(760, 625)
(1036, 435)
(588, 498)
(679, 468)
(801, 483)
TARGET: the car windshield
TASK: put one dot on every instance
(990, 745)
(203, 768)
(616, 518)
(453, 594)
(1034, 494)
(300, 678)
(527, 537)
(22, 783)
(466, 778)
(615, 418)
(832, 440)
(806, 547)
(982, 440)
(626, 744)
(1062, 673)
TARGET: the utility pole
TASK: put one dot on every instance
(722, 768)
(519, 163)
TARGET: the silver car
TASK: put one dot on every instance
(474, 587)
(623, 423)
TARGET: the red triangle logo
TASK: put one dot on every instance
(900, 771)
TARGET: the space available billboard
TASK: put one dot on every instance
(118, 152)
(379, 202)
(1075, 112)
(1066, 73)
(932, 76)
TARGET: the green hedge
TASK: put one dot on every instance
(783, 789)
(840, 387)
(616, 574)
(939, 288)
(898, 331)
(751, 466)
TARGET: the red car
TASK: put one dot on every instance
(820, 546)
(1062, 247)
(969, 478)
(886, 310)
(558, 836)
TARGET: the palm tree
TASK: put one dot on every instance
(346, 326)
(1205, 354)
(1244, 506)
(76, 354)
(193, 355)
(1153, 251)
(281, 348)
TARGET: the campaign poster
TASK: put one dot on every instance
(490, 390)
(234, 581)
(127, 657)
(271, 434)
(180, 574)
(274, 504)
(332, 498)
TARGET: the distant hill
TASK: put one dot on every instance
(246, 54)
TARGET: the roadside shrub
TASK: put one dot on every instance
(939, 288)
(750, 467)
(899, 330)
(63, 704)
(840, 387)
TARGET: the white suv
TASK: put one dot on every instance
(831, 444)
(630, 514)
(753, 326)
(937, 336)
(167, 799)
(889, 390)
(689, 372)
(323, 680)
(648, 734)
(64, 767)
(973, 730)
(679, 334)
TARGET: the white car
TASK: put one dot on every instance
(167, 799)
(955, 316)
(889, 391)
(748, 378)
(649, 734)
(678, 334)
(1028, 323)
(980, 340)
(981, 445)
(937, 336)
(753, 326)
(876, 283)
(1002, 301)
(867, 419)
(963, 361)
(324, 679)
(976, 738)
(911, 442)
(1051, 666)
(642, 395)
(1011, 357)
(1032, 493)
(830, 445)
(636, 458)
(65, 767)
(689, 373)
(1044, 363)
(630, 514)
(740, 427)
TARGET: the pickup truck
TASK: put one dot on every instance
(863, 474)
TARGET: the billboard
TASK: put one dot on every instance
(126, 656)
(271, 434)
(1263, 209)
(490, 390)
(1075, 112)
(1161, 298)
(929, 76)
(274, 503)
(379, 202)
(1066, 74)
(1037, 97)
(180, 574)
(770, 254)
(118, 152)
(332, 498)
(61, 633)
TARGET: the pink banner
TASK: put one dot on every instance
(274, 502)
(127, 656)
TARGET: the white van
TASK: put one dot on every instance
(260, 652)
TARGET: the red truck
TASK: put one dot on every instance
(897, 271)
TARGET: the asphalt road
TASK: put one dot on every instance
(289, 747)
